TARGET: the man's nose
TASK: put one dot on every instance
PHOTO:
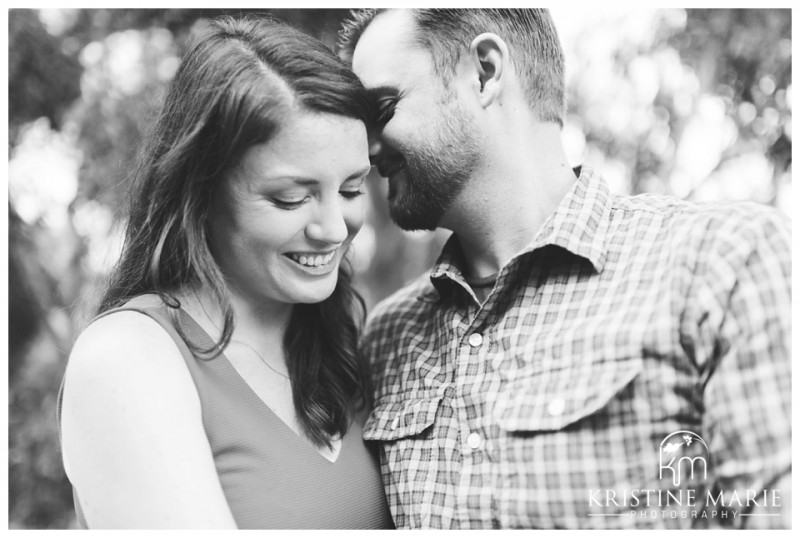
(382, 152)
(375, 147)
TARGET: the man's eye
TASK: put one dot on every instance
(386, 110)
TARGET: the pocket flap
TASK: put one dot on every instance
(400, 416)
(552, 400)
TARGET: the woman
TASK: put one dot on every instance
(220, 385)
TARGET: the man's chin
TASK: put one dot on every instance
(410, 221)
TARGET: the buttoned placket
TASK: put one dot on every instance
(476, 340)
(475, 446)
(469, 325)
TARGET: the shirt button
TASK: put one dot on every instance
(556, 407)
(474, 440)
(475, 339)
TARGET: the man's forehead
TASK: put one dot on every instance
(386, 48)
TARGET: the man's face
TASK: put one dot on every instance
(425, 142)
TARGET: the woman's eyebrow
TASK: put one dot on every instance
(363, 172)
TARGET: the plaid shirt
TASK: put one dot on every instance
(625, 320)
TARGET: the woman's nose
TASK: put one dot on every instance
(328, 225)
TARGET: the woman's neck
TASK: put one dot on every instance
(260, 325)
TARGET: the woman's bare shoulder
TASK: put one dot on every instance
(133, 440)
(121, 340)
(127, 354)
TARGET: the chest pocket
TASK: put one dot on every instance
(553, 399)
(399, 417)
(552, 423)
(405, 425)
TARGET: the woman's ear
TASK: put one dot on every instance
(489, 55)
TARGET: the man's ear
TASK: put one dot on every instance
(490, 56)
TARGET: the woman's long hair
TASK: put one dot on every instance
(231, 92)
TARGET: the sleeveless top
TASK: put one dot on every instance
(271, 477)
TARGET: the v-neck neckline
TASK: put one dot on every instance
(265, 410)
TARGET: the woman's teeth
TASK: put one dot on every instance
(313, 261)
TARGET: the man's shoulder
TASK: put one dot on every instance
(715, 242)
(402, 307)
(719, 218)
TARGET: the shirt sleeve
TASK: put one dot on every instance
(747, 393)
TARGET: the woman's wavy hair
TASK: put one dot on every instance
(231, 91)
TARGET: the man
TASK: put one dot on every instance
(575, 358)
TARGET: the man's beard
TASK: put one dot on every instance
(436, 171)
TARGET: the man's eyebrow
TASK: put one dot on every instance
(381, 91)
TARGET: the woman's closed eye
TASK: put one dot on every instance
(351, 194)
(354, 186)
(289, 203)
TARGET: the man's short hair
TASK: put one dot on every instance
(530, 35)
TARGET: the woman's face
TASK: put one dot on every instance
(290, 209)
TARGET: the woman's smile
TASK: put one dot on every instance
(319, 263)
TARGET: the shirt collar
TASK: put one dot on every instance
(579, 225)
(580, 222)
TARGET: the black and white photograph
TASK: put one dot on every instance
(448, 268)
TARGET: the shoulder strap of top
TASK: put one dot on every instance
(152, 307)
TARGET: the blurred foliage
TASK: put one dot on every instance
(696, 103)
(35, 63)
(687, 102)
